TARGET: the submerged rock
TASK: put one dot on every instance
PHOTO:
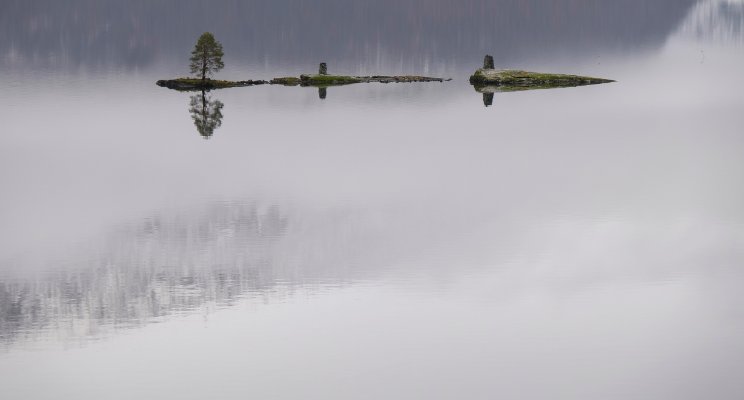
(501, 80)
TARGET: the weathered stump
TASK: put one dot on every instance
(488, 62)
(323, 69)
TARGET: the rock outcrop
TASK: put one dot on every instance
(192, 84)
(511, 80)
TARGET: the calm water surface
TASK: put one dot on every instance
(388, 241)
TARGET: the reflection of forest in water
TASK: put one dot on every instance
(164, 266)
(406, 33)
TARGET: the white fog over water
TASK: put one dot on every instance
(390, 240)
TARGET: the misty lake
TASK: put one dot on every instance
(373, 241)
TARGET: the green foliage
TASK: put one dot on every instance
(206, 58)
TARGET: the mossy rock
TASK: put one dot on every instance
(286, 81)
(321, 81)
(507, 88)
(513, 80)
(329, 80)
(194, 84)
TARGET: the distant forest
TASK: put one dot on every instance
(139, 33)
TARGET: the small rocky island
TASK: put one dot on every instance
(206, 59)
(488, 79)
(195, 84)
(321, 79)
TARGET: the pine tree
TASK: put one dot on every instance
(206, 58)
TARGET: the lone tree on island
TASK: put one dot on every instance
(206, 58)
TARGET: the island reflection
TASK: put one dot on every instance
(206, 113)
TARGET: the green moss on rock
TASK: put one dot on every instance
(286, 81)
(328, 80)
(510, 80)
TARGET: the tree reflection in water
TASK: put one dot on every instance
(206, 113)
